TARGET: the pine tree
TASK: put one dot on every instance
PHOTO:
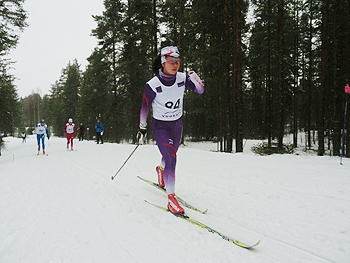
(10, 116)
(135, 62)
(70, 79)
(13, 20)
(63, 100)
(32, 110)
(56, 108)
(104, 63)
(271, 70)
(95, 93)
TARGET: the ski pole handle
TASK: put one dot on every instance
(347, 89)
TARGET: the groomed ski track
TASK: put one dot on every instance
(64, 207)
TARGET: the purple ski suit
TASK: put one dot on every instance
(165, 94)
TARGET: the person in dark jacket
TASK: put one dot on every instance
(99, 131)
(81, 132)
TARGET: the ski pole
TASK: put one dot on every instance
(347, 91)
(125, 161)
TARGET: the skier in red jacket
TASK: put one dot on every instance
(69, 130)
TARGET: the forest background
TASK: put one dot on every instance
(270, 68)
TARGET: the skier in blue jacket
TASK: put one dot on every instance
(41, 129)
(99, 131)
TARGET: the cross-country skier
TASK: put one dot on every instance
(24, 137)
(164, 93)
(41, 129)
(69, 130)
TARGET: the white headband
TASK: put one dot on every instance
(170, 51)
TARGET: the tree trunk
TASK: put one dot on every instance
(268, 81)
(155, 29)
(310, 83)
(280, 96)
(324, 77)
(296, 77)
(237, 73)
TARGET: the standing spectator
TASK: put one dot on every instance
(1, 144)
(41, 129)
(69, 130)
(99, 131)
(81, 132)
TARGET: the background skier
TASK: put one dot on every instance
(41, 129)
(69, 130)
(24, 137)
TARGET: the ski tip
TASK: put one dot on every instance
(252, 246)
(257, 243)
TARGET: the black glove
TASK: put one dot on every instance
(141, 135)
(48, 137)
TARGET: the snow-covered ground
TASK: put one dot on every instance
(64, 207)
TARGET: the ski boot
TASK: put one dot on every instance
(160, 173)
(174, 206)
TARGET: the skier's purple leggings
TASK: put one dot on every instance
(168, 137)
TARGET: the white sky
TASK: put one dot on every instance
(59, 31)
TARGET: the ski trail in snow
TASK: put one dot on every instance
(65, 207)
(105, 178)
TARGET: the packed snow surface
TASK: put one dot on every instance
(64, 207)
